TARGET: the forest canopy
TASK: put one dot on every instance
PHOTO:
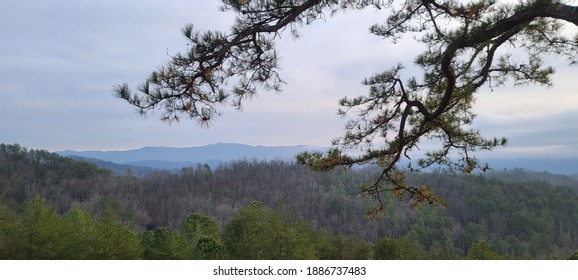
(204, 213)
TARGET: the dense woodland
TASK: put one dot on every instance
(52, 207)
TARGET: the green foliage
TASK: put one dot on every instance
(521, 214)
(43, 234)
(401, 249)
(351, 248)
(257, 232)
(326, 245)
(202, 238)
(163, 244)
(40, 234)
(196, 226)
(115, 240)
(8, 226)
(471, 234)
(482, 251)
(209, 248)
(82, 236)
(514, 247)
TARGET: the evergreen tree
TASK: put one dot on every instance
(81, 235)
(202, 237)
(163, 244)
(40, 235)
(8, 222)
(257, 232)
(116, 241)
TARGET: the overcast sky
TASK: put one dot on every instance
(59, 61)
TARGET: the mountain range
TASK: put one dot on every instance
(176, 158)
(215, 154)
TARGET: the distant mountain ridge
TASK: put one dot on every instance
(160, 164)
(215, 154)
(172, 157)
(568, 166)
(117, 168)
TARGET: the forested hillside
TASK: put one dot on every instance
(507, 214)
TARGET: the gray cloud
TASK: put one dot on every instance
(548, 135)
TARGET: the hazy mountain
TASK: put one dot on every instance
(215, 154)
(172, 158)
(161, 164)
(567, 166)
(117, 168)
